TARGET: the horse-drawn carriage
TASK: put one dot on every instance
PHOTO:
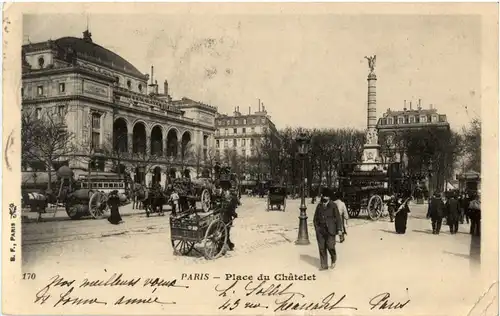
(276, 198)
(370, 191)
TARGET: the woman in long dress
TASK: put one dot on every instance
(401, 215)
(114, 202)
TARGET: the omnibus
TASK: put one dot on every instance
(103, 181)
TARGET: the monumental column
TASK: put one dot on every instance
(371, 147)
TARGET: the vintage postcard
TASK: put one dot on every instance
(250, 159)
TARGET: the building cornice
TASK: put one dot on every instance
(115, 106)
(32, 74)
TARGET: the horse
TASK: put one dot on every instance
(154, 201)
(139, 194)
(36, 201)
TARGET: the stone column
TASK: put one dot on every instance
(130, 142)
(371, 122)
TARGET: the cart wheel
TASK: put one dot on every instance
(182, 247)
(215, 239)
(74, 211)
(374, 207)
(98, 206)
(205, 200)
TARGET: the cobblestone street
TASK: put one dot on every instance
(372, 254)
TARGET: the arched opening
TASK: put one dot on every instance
(172, 143)
(185, 145)
(156, 175)
(120, 136)
(139, 136)
(156, 141)
(172, 172)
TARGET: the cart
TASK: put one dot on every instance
(276, 198)
(188, 229)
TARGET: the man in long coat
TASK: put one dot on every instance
(452, 214)
(327, 223)
(435, 212)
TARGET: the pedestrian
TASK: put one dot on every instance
(174, 201)
(229, 203)
(114, 203)
(435, 213)
(452, 213)
(465, 205)
(342, 211)
(401, 214)
(327, 223)
(475, 215)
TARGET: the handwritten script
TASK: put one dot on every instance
(242, 294)
(60, 291)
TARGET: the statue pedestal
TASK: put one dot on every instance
(371, 157)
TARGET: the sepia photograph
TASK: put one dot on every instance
(271, 159)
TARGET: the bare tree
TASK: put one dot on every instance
(45, 137)
(472, 145)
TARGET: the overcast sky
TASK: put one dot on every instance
(307, 70)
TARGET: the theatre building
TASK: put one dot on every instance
(106, 102)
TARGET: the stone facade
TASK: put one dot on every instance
(107, 103)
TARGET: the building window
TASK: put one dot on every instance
(412, 119)
(96, 120)
(205, 140)
(244, 130)
(62, 87)
(41, 62)
(401, 120)
(236, 122)
(253, 121)
(244, 152)
(244, 121)
(253, 130)
(129, 84)
(235, 131)
(205, 154)
(252, 152)
(423, 119)
(434, 118)
(225, 143)
(235, 143)
(243, 142)
(389, 121)
(226, 132)
(61, 110)
(217, 144)
(96, 137)
(38, 113)
(39, 90)
(263, 120)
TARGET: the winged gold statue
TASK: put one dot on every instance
(371, 62)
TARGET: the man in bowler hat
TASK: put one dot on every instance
(327, 223)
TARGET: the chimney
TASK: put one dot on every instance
(419, 104)
(152, 74)
(249, 109)
(165, 87)
(410, 105)
(259, 105)
(404, 107)
(263, 107)
(156, 87)
(431, 106)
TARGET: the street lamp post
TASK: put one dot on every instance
(303, 149)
